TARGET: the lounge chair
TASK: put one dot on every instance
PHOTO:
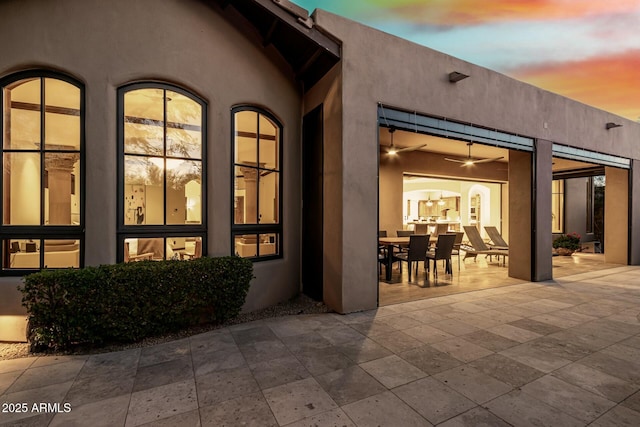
(479, 247)
(496, 238)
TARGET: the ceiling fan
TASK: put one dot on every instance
(469, 161)
(395, 150)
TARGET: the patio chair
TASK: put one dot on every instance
(443, 250)
(496, 238)
(456, 245)
(404, 233)
(479, 247)
(418, 246)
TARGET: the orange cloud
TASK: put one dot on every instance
(609, 83)
(469, 12)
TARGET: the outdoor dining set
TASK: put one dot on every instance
(413, 248)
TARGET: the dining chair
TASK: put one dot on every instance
(442, 251)
(418, 246)
(456, 245)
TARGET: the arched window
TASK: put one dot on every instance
(257, 184)
(42, 181)
(162, 186)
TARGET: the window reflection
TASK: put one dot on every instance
(257, 184)
(58, 253)
(162, 164)
(160, 248)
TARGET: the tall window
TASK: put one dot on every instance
(42, 130)
(162, 168)
(557, 206)
(257, 184)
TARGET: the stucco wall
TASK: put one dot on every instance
(328, 92)
(378, 67)
(106, 44)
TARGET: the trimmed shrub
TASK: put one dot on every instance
(132, 301)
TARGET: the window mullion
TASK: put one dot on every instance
(164, 156)
(42, 163)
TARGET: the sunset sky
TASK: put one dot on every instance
(587, 50)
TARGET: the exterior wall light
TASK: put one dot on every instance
(455, 76)
(612, 125)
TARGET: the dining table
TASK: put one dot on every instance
(390, 243)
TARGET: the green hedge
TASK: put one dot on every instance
(128, 302)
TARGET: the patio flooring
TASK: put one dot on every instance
(559, 353)
(472, 276)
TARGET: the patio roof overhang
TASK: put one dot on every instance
(309, 52)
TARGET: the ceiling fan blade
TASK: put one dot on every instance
(487, 160)
(456, 160)
(415, 147)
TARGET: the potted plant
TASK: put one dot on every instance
(567, 244)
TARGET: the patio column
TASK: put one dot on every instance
(543, 240)
(520, 214)
(616, 215)
(634, 244)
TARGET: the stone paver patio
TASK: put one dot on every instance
(563, 353)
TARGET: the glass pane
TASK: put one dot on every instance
(143, 190)
(268, 144)
(184, 126)
(61, 253)
(183, 110)
(246, 245)
(184, 248)
(62, 115)
(21, 204)
(184, 191)
(61, 200)
(268, 244)
(140, 249)
(246, 137)
(184, 143)
(269, 197)
(246, 195)
(22, 119)
(143, 138)
(22, 253)
(144, 121)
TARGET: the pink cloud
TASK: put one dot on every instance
(472, 12)
(609, 83)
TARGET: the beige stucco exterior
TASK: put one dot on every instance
(381, 68)
(108, 44)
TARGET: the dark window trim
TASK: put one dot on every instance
(44, 232)
(158, 230)
(242, 229)
(590, 206)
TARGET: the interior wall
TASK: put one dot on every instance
(616, 215)
(575, 211)
(393, 168)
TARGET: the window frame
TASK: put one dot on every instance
(153, 231)
(244, 229)
(42, 231)
(561, 205)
